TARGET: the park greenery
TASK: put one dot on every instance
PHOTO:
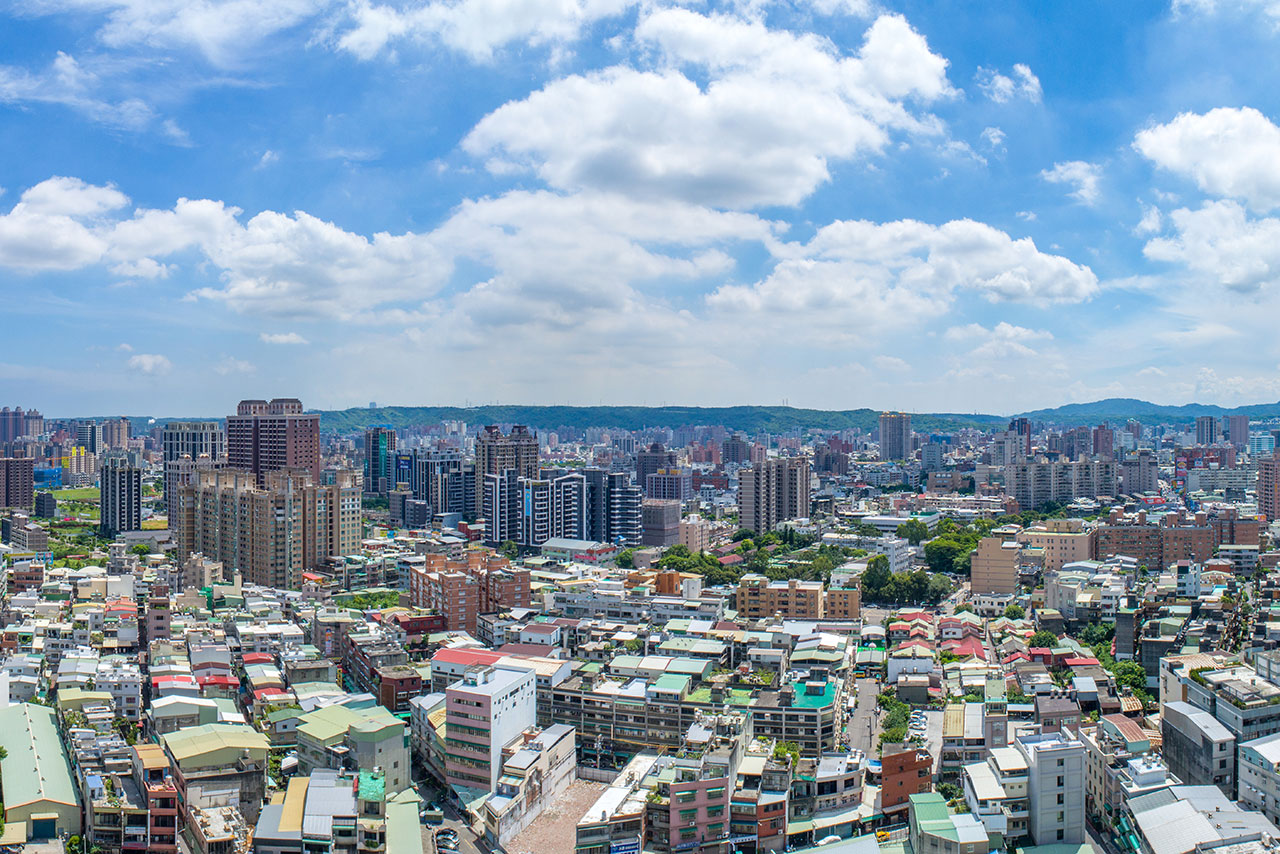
(368, 600)
(778, 556)
(897, 715)
(881, 586)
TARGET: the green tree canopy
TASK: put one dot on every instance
(914, 531)
(1015, 612)
(1043, 638)
(1130, 675)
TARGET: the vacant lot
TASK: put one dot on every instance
(83, 493)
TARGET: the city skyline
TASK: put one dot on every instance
(833, 204)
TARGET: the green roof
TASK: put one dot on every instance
(36, 768)
(372, 787)
(932, 816)
(732, 696)
(672, 683)
(805, 700)
(214, 744)
(331, 723)
(404, 836)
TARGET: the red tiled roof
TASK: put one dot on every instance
(466, 656)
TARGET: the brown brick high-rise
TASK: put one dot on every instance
(264, 437)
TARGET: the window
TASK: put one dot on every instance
(1061, 834)
(1061, 762)
(1061, 800)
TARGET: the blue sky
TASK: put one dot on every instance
(832, 203)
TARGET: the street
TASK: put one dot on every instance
(467, 842)
(864, 725)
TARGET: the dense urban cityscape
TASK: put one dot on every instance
(259, 634)
(639, 427)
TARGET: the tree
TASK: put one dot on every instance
(939, 588)
(940, 554)
(141, 549)
(509, 549)
(1043, 638)
(877, 574)
(1130, 674)
(742, 534)
(1015, 612)
(627, 558)
(914, 531)
(965, 608)
(1096, 633)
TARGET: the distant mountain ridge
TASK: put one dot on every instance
(773, 419)
(751, 419)
(1121, 409)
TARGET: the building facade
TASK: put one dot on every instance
(263, 437)
(270, 533)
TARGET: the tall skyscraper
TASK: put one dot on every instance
(1207, 430)
(931, 457)
(264, 437)
(89, 437)
(500, 507)
(1138, 473)
(660, 519)
(120, 498)
(190, 439)
(1077, 442)
(772, 492)
(529, 511)
(1269, 487)
(1104, 441)
(379, 459)
(652, 459)
(440, 481)
(670, 484)
(613, 507)
(17, 482)
(1022, 427)
(735, 449)
(895, 436)
(14, 423)
(270, 533)
(115, 432)
(495, 453)
(1238, 430)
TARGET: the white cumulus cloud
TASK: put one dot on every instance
(1222, 244)
(1082, 177)
(1227, 151)
(776, 110)
(1002, 88)
(282, 338)
(150, 363)
(477, 28)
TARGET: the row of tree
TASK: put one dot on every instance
(880, 586)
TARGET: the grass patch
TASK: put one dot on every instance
(82, 493)
(154, 524)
